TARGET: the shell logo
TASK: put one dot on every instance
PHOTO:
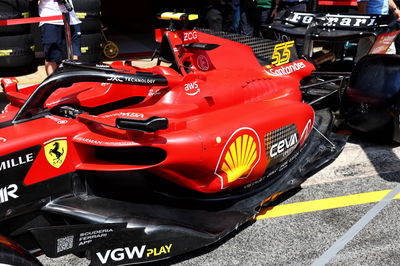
(239, 156)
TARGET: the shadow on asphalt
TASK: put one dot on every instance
(216, 245)
(204, 250)
(379, 140)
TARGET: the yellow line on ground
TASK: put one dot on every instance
(322, 204)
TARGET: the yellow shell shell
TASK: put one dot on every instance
(240, 157)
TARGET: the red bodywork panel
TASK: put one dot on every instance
(230, 120)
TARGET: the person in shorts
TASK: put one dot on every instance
(53, 34)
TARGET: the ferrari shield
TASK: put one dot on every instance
(56, 151)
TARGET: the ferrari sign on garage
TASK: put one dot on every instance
(56, 151)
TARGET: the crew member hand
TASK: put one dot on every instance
(396, 14)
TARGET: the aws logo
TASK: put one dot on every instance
(239, 156)
(56, 151)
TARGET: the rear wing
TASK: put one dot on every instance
(330, 26)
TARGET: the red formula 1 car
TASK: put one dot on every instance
(133, 165)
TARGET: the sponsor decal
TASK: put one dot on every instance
(286, 69)
(192, 88)
(383, 42)
(124, 114)
(86, 238)
(110, 143)
(65, 239)
(202, 63)
(102, 66)
(131, 253)
(58, 120)
(153, 92)
(280, 143)
(281, 54)
(190, 36)
(283, 145)
(8, 192)
(334, 20)
(118, 78)
(56, 151)
(14, 162)
(239, 156)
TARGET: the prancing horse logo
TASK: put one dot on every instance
(56, 151)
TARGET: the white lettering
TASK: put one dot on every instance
(104, 259)
(360, 21)
(189, 36)
(372, 22)
(296, 18)
(286, 69)
(283, 145)
(118, 254)
(14, 162)
(307, 19)
(135, 250)
(114, 78)
(8, 192)
(192, 88)
(345, 22)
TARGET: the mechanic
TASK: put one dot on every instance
(235, 16)
(254, 14)
(219, 14)
(53, 34)
(375, 7)
(378, 7)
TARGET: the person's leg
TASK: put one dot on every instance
(397, 40)
(214, 19)
(235, 19)
(51, 39)
(262, 19)
(50, 67)
(302, 7)
(247, 21)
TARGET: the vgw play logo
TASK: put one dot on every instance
(136, 252)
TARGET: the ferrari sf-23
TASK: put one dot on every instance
(129, 165)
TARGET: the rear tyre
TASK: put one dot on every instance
(91, 25)
(91, 48)
(87, 6)
(10, 9)
(89, 12)
(12, 254)
(16, 52)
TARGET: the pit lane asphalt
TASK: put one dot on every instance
(302, 238)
